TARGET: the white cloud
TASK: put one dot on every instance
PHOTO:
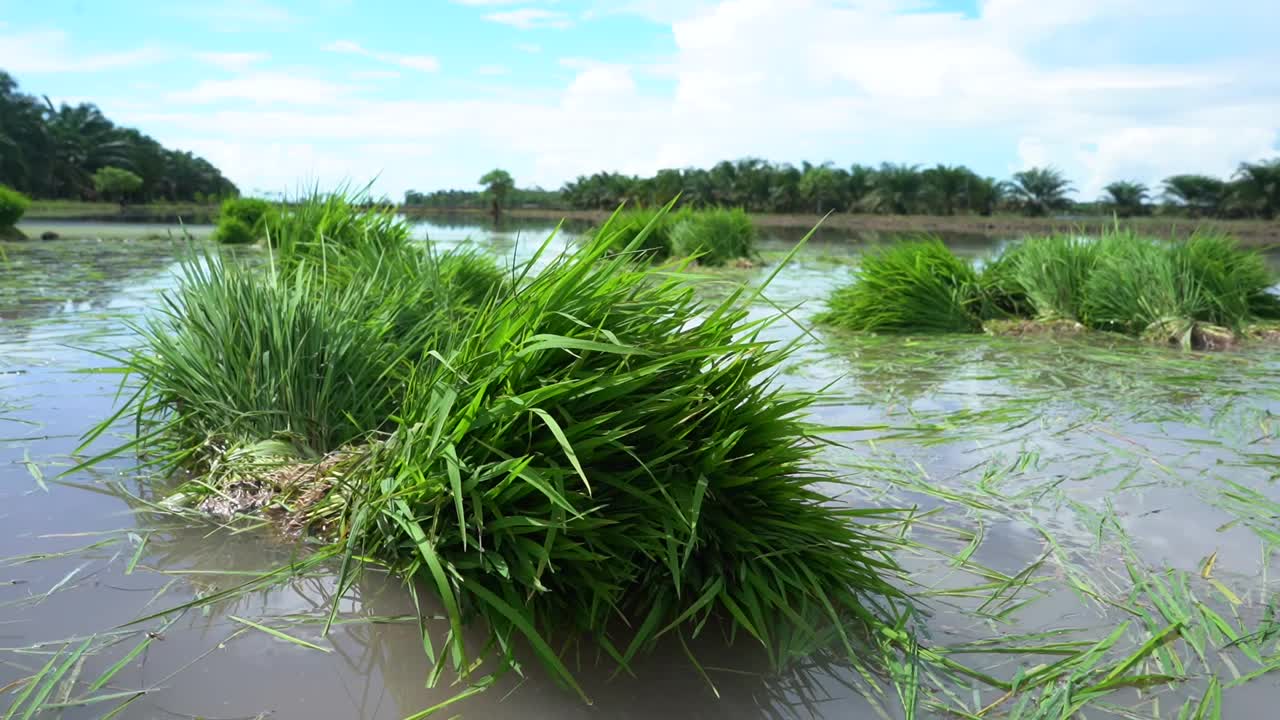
(422, 63)
(233, 61)
(790, 80)
(493, 70)
(265, 88)
(48, 51)
(531, 19)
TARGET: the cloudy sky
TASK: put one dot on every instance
(428, 94)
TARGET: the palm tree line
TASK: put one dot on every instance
(898, 189)
(53, 152)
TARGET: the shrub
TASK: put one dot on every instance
(117, 183)
(717, 236)
(13, 205)
(916, 286)
(234, 231)
(1053, 271)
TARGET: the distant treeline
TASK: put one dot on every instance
(761, 186)
(51, 152)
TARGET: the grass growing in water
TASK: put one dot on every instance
(1202, 291)
(914, 286)
(716, 236)
(653, 228)
(589, 450)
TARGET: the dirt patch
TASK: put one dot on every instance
(287, 493)
(1190, 335)
(1034, 328)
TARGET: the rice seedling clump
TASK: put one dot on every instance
(13, 205)
(588, 450)
(1201, 292)
(911, 286)
(652, 226)
(716, 236)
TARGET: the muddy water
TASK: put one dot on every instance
(1065, 464)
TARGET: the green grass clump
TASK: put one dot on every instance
(13, 205)
(1052, 271)
(1002, 295)
(233, 231)
(590, 449)
(1137, 283)
(910, 286)
(250, 211)
(1237, 282)
(716, 236)
(652, 226)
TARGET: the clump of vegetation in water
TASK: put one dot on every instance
(13, 205)
(1002, 296)
(1202, 292)
(1052, 272)
(651, 226)
(234, 231)
(912, 286)
(716, 236)
(589, 449)
(243, 220)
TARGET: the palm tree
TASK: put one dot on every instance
(898, 189)
(1041, 190)
(820, 186)
(1127, 198)
(1257, 187)
(1199, 194)
(946, 186)
(498, 184)
(82, 140)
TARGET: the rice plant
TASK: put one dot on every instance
(716, 236)
(1052, 271)
(1003, 296)
(653, 226)
(1136, 284)
(1237, 282)
(589, 450)
(911, 286)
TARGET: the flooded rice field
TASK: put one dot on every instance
(1092, 532)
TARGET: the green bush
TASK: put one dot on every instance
(910, 286)
(13, 205)
(234, 231)
(716, 236)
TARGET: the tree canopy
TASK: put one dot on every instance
(53, 152)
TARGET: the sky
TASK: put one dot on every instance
(430, 94)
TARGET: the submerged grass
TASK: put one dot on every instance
(588, 450)
(716, 236)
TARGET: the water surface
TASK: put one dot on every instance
(1059, 486)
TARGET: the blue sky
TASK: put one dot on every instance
(431, 94)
